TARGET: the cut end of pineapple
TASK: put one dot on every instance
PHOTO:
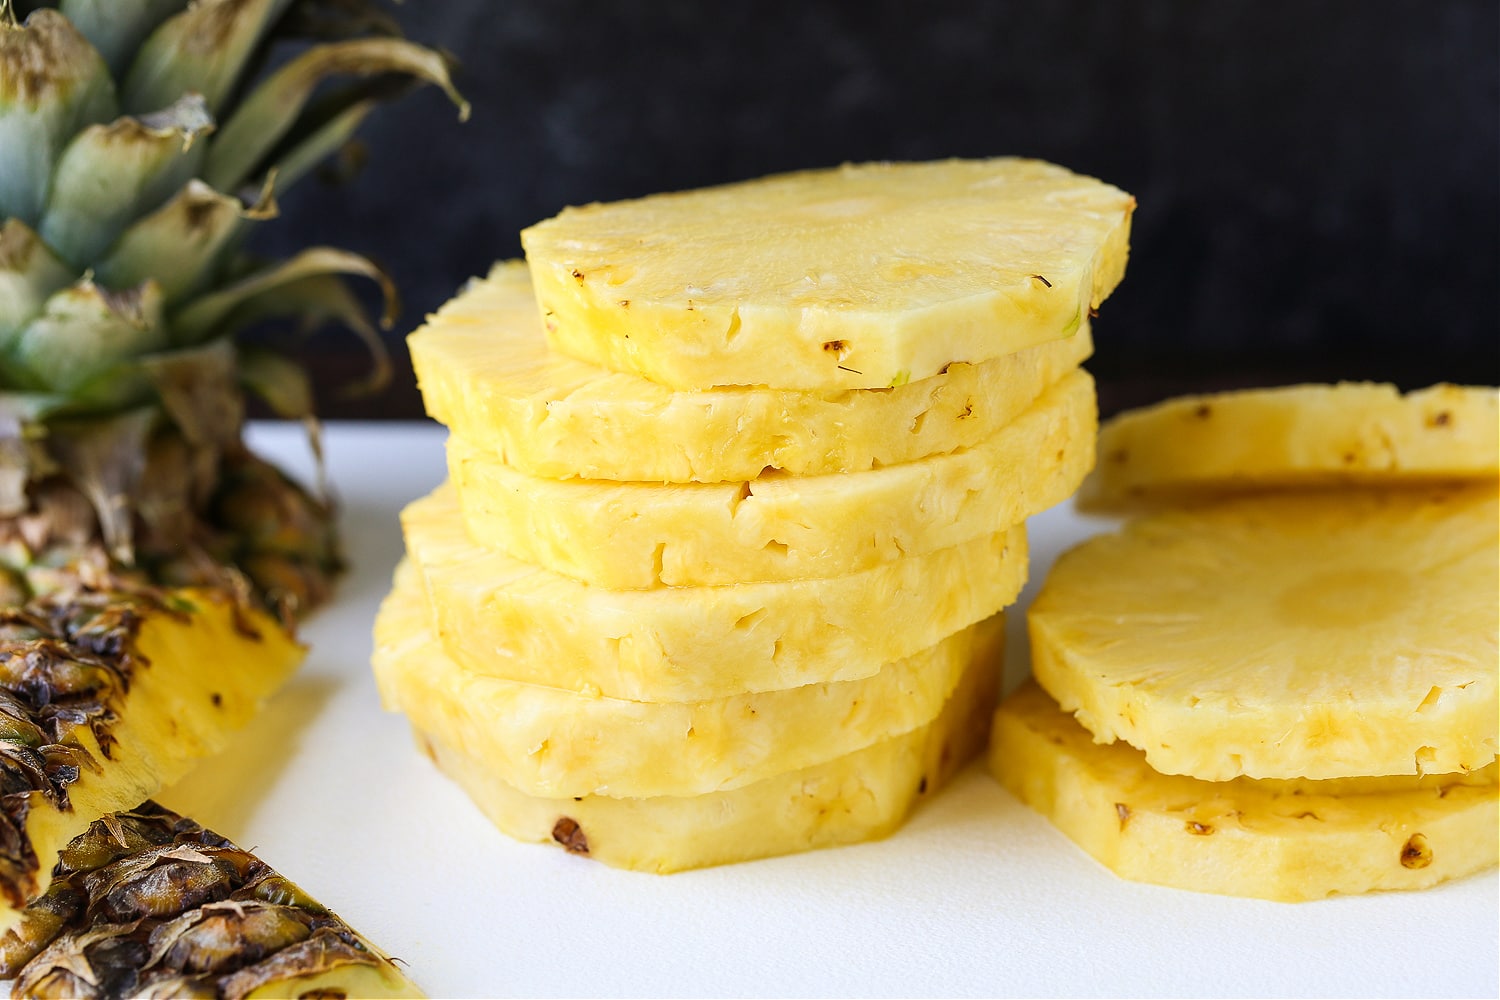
(1201, 447)
(1276, 840)
(1307, 634)
(865, 276)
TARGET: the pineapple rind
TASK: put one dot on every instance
(169, 718)
(860, 796)
(1304, 435)
(642, 535)
(1265, 839)
(504, 618)
(552, 743)
(866, 276)
(368, 982)
(1316, 635)
(486, 373)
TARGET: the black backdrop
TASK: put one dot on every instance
(1319, 182)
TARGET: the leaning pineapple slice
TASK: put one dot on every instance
(864, 276)
(505, 618)
(1284, 840)
(1316, 635)
(556, 743)
(777, 527)
(147, 903)
(487, 374)
(1301, 435)
(105, 698)
(860, 796)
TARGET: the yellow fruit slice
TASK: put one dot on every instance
(553, 743)
(863, 276)
(486, 372)
(1303, 435)
(860, 796)
(1313, 635)
(640, 535)
(505, 618)
(1283, 840)
(199, 669)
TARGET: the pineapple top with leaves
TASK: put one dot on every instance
(141, 142)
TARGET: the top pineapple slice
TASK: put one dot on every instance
(865, 276)
(1315, 635)
(1295, 435)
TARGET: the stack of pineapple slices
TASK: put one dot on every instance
(738, 483)
(1298, 641)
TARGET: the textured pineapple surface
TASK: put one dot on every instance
(486, 373)
(552, 743)
(198, 672)
(864, 276)
(1272, 839)
(1305, 435)
(860, 796)
(505, 618)
(778, 527)
(1305, 634)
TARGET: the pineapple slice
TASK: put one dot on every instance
(1316, 635)
(107, 703)
(557, 743)
(863, 276)
(641, 535)
(1282, 840)
(486, 372)
(864, 795)
(1304, 435)
(147, 903)
(504, 618)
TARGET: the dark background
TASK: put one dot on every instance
(1318, 183)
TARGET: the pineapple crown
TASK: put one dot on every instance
(141, 141)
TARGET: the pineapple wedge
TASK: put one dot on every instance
(642, 535)
(1316, 635)
(1282, 840)
(505, 618)
(552, 743)
(110, 701)
(864, 276)
(147, 903)
(486, 372)
(860, 796)
(1304, 435)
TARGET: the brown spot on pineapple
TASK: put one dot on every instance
(967, 411)
(624, 303)
(1122, 811)
(1203, 411)
(1119, 456)
(326, 993)
(1308, 815)
(922, 786)
(1441, 418)
(217, 699)
(1199, 829)
(1043, 280)
(569, 834)
(839, 347)
(579, 276)
(1415, 853)
(1350, 458)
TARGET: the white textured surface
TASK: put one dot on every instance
(976, 896)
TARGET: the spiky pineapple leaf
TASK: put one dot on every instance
(116, 28)
(204, 48)
(85, 331)
(104, 458)
(29, 274)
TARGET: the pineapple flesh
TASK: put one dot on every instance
(860, 796)
(864, 276)
(1305, 435)
(505, 618)
(552, 743)
(487, 374)
(104, 701)
(1274, 839)
(777, 527)
(147, 903)
(1304, 634)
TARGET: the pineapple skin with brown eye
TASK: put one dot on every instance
(1287, 840)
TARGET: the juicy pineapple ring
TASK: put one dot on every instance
(505, 618)
(860, 796)
(1305, 435)
(1267, 839)
(559, 743)
(1312, 635)
(864, 276)
(641, 535)
(486, 373)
